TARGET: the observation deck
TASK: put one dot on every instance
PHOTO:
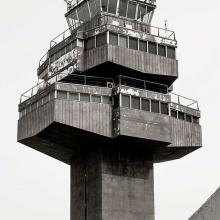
(107, 109)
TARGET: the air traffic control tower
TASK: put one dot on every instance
(104, 105)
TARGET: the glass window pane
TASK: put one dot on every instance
(68, 48)
(72, 18)
(152, 47)
(181, 115)
(113, 39)
(161, 50)
(133, 43)
(57, 55)
(61, 95)
(81, 14)
(174, 113)
(123, 7)
(86, 11)
(101, 39)
(98, 6)
(96, 98)
(84, 97)
(52, 58)
(106, 100)
(62, 52)
(123, 41)
(135, 102)
(104, 5)
(189, 118)
(195, 120)
(141, 12)
(155, 106)
(131, 10)
(171, 52)
(74, 96)
(125, 101)
(145, 104)
(93, 9)
(164, 108)
(142, 45)
(89, 43)
(112, 6)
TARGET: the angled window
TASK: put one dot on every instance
(112, 6)
(164, 108)
(171, 52)
(113, 39)
(141, 12)
(74, 96)
(174, 113)
(96, 98)
(123, 41)
(133, 43)
(189, 118)
(84, 97)
(131, 9)
(155, 106)
(61, 95)
(161, 50)
(195, 120)
(89, 43)
(135, 102)
(123, 7)
(142, 45)
(181, 115)
(152, 47)
(101, 39)
(105, 5)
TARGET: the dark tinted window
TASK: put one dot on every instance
(101, 39)
(52, 58)
(135, 102)
(188, 118)
(164, 108)
(73, 96)
(141, 12)
(123, 41)
(161, 50)
(131, 10)
(195, 120)
(142, 45)
(84, 97)
(89, 43)
(96, 98)
(104, 5)
(57, 55)
(106, 100)
(171, 52)
(152, 47)
(133, 43)
(181, 115)
(174, 113)
(61, 95)
(123, 7)
(125, 101)
(113, 39)
(155, 106)
(145, 104)
(112, 6)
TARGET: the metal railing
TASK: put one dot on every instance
(184, 101)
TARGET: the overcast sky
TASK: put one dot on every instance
(36, 187)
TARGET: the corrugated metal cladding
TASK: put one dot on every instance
(140, 61)
(210, 210)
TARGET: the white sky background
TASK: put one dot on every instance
(34, 186)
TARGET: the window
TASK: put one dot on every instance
(113, 39)
(104, 5)
(155, 106)
(74, 96)
(112, 6)
(52, 58)
(135, 102)
(123, 7)
(171, 53)
(152, 47)
(161, 50)
(68, 48)
(195, 120)
(84, 97)
(62, 52)
(125, 101)
(101, 39)
(131, 10)
(106, 99)
(142, 45)
(57, 55)
(123, 41)
(133, 43)
(188, 118)
(86, 13)
(93, 7)
(141, 12)
(181, 115)
(89, 43)
(145, 104)
(72, 18)
(73, 44)
(96, 98)
(61, 95)
(164, 108)
(174, 113)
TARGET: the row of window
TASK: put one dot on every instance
(153, 106)
(85, 97)
(130, 42)
(63, 51)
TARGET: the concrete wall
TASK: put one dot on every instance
(210, 210)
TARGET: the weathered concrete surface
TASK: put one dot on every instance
(210, 210)
(112, 184)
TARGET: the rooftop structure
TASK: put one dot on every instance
(104, 105)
